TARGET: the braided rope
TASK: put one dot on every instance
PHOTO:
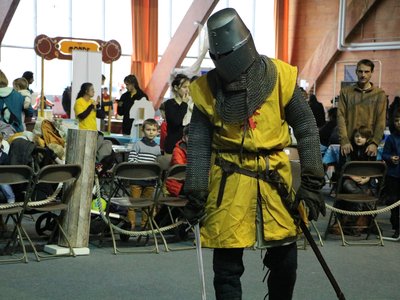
(128, 232)
(48, 199)
(362, 213)
(34, 203)
(11, 205)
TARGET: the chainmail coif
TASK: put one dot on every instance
(238, 100)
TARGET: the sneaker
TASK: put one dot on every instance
(396, 234)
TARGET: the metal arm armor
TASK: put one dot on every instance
(300, 117)
(198, 153)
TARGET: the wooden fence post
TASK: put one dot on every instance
(81, 149)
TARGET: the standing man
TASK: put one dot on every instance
(362, 104)
(238, 177)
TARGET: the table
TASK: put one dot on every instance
(122, 151)
(125, 139)
(121, 138)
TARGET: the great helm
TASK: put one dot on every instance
(232, 47)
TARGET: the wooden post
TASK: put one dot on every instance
(81, 149)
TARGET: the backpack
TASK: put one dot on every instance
(7, 116)
(6, 130)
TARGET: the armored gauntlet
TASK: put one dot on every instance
(194, 210)
(310, 192)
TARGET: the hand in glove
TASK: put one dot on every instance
(194, 209)
(313, 199)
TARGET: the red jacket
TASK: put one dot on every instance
(163, 134)
(179, 157)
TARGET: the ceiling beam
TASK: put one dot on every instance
(327, 49)
(7, 10)
(186, 33)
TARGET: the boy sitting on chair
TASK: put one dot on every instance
(357, 184)
(144, 151)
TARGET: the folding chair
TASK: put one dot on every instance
(176, 172)
(123, 174)
(376, 170)
(16, 174)
(63, 175)
(296, 181)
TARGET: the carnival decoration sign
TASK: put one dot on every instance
(62, 47)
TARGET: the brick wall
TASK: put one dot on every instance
(310, 20)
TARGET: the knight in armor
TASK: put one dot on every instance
(238, 177)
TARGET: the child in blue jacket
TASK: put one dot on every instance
(390, 155)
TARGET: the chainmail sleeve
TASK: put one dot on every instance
(198, 153)
(300, 117)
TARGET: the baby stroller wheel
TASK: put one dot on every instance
(45, 223)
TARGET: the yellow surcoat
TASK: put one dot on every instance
(233, 223)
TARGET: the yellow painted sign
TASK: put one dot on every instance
(66, 46)
(61, 47)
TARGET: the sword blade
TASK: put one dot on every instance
(200, 260)
(322, 261)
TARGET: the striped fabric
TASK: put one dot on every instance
(143, 153)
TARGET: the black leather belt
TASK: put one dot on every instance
(270, 176)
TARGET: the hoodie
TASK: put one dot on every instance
(14, 101)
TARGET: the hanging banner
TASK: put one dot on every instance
(62, 47)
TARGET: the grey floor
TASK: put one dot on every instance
(363, 272)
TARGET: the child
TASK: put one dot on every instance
(5, 188)
(360, 137)
(21, 86)
(179, 156)
(390, 155)
(145, 150)
(356, 184)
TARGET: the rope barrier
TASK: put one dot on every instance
(49, 199)
(123, 231)
(34, 203)
(363, 213)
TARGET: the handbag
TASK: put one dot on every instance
(100, 113)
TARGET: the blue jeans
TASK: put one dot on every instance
(8, 192)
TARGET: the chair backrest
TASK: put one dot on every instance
(373, 169)
(137, 171)
(15, 174)
(177, 172)
(164, 161)
(58, 173)
(364, 168)
(18, 174)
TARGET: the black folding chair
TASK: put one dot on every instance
(123, 174)
(64, 175)
(178, 173)
(16, 174)
(375, 170)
